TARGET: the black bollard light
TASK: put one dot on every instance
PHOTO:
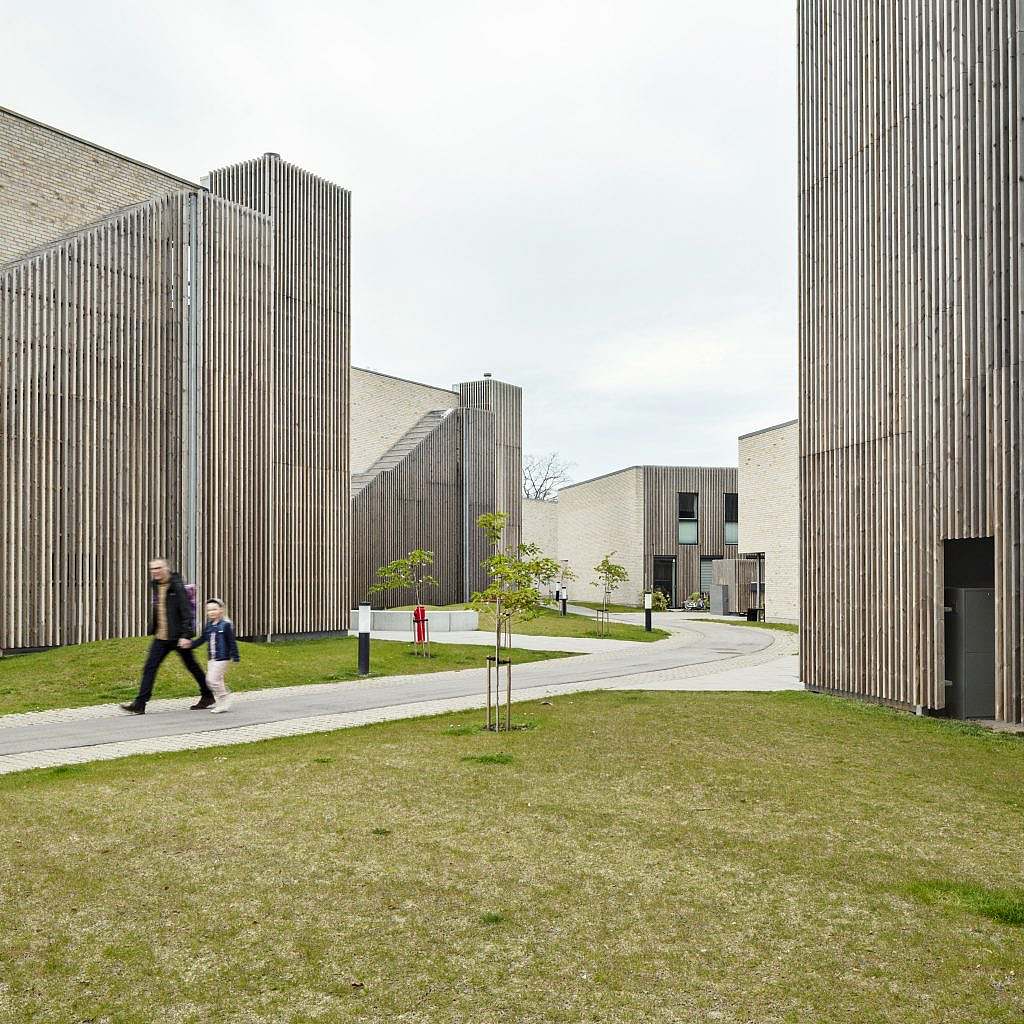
(648, 601)
(364, 639)
(563, 596)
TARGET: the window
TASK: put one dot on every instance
(687, 518)
(732, 518)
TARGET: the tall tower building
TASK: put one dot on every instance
(911, 177)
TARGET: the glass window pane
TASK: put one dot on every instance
(687, 531)
(732, 533)
(687, 505)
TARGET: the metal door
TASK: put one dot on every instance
(970, 652)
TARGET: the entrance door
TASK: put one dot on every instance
(665, 578)
(970, 633)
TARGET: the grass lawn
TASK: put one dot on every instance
(107, 671)
(550, 623)
(633, 857)
(782, 627)
(614, 608)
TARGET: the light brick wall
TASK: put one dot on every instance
(769, 488)
(540, 525)
(598, 516)
(52, 184)
(384, 408)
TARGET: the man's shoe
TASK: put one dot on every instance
(204, 703)
(134, 708)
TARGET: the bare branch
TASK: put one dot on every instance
(543, 475)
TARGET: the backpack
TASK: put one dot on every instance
(190, 591)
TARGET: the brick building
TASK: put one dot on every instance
(769, 488)
(540, 525)
(665, 524)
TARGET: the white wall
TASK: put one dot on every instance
(384, 408)
(599, 516)
(540, 525)
(769, 489)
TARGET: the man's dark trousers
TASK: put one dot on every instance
(158, 650)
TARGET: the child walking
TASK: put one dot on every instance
(220, 634)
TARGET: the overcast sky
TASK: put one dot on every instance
(594, 200)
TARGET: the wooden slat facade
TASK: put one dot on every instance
(505, 402)
(235, 344)
(309, 450)
(95, 439)
(480, 492)
(431, 499)
(661, 486)
(911, 422)
(418, 504)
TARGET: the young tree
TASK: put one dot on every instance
(409, 573)
(543, 475)
(610, 576)
(517, 581)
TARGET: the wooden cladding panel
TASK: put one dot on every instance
(418, 504)
(910, 327)
(480, 481)
(432, 500)
(310, 582)
(662, 485)
(91, 340)
(235, 554)
(505, 402)
(738, 574)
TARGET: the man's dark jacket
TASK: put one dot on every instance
(180, 619)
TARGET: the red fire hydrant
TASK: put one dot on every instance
(419, 618)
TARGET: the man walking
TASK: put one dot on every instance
(171, 622)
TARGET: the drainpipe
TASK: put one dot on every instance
(192, 396)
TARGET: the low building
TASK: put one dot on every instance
(426, 463)
(769, 486)
(666, 525)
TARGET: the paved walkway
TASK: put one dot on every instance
(573, 644)
(698, 656)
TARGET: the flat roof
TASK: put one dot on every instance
(626, 469)
(96, 146)
(764, 430)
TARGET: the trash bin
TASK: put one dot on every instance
(752, 615)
